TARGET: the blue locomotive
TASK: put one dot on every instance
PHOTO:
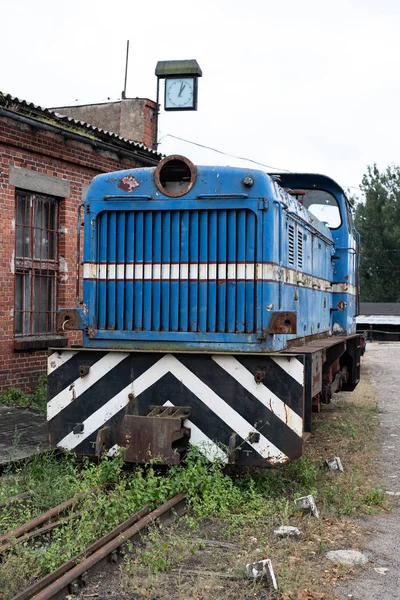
(218, 309)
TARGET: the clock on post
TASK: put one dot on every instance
(181, 78)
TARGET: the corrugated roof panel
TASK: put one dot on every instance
(378, 320)
(63, 118)
(380, 308)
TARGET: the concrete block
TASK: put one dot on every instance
(307, 503)
(334, 464)
(287, 531)
(262, 569)
(347, 557)
(33, 181)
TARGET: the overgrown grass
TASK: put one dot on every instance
(242, 509)
(36, 399)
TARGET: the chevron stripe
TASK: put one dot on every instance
(219, 389)
(261, 392)
(57, 359)
(292, 366)
(81, 384)
(167, 364)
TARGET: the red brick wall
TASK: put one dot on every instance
(50, 154)
(149, 120)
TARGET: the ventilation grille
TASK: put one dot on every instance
(291, 240)
(299, 249)
(181, 271)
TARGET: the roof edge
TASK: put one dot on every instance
(88, 132)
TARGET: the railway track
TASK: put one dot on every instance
(72, 575)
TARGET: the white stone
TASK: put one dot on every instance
(262, 569)
(381, 570)
(334, 464)
(287, 531)
(307, 503)
(347, 557)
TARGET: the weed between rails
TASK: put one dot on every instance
(36, 399)
(236, 509)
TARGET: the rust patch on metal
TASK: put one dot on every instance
(67, 320)
(341, 304)
(128, 183)
(283, 322)
(91, 332)
(83, 370)
(259, 376)
(102, 440)
(72, 389)
(160, 435)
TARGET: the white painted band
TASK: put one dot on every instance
(213, 272)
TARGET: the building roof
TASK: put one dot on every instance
(380, 308)
(11, 104)
(377, 320)
(379, 313)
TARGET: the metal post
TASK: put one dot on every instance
(126, 70)
(155, 145)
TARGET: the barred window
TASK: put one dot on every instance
(36, 264)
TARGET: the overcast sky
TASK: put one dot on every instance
(300, 85)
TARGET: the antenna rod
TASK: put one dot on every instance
(126, 69)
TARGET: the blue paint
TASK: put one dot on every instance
(156, 287)
(206, 270)
(138, 286)
(194, 302)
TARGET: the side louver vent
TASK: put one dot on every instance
(299, 249)
(291, 239)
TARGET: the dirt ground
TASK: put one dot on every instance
(212, 564)
(380, 580)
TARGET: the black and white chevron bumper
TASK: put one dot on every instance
(257, 401)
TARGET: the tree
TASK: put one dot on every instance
(377, 218)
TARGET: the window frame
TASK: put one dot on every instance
(37, 258)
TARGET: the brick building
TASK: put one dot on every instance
(46, 163)
(132, 118)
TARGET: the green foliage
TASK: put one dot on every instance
(378, 221)
(37, 399)
(242, 503)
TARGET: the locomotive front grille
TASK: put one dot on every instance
(176, 270)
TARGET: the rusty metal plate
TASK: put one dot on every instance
(282, 322)
(153, 438)
(67, 320)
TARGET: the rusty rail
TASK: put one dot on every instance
(14, 499)
(46, 516)
(36, 532)
(57, 582)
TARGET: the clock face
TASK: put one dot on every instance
(180, 94)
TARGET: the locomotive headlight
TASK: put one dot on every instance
(175, 176)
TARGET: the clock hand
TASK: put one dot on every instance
(182, 88)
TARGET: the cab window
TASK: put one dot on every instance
(322, 205)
